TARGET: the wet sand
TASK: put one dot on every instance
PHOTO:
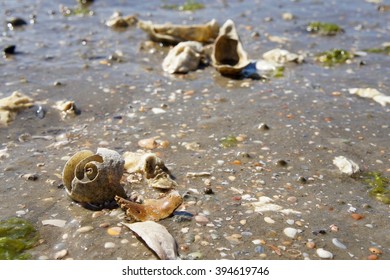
(312, 118)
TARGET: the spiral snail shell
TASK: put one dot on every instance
(94, 178)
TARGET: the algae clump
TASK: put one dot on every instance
(229, 141)
(189, 5)
(16, 236)
(382, 50)
(323, 28)
(379, 186)
(334, 56)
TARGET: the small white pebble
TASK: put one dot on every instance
(109, 245)
(323, 254)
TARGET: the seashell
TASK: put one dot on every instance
(151, 209)
(281, 56)
(11, 105)
(372, 93)
(173, 34)
(118, 21)
(66, 108)
(228, 55)
(183, 58)
(152, 167)
(94, 178)
(346, 165)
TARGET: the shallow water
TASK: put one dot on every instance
(311, 115)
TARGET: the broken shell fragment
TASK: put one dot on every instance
(228, 56)
(151, 209)
(152, 167)
(173, 34)
(11, 105)
(346, 165)
(376, 95)
(66, 108)
(157, 238)
(183, 58)
(94, 178)
(281, 56)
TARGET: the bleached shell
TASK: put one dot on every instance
(94, 178)
(323, 254)
(184, 57)
(228, 56)
(173, 34)
(9, 106)
(345, 165)
(282, 56)
(290, 232)
(372, 93)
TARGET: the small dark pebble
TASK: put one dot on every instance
(57, 83)
(319, 231)
(281, 162)
(40, 112)
(117, 117)
(263, 126)
(302, 179)
(208, 190)
(183, 213)
(9, 49)
(15, 22)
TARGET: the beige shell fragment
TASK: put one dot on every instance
(183, 58)
(94, 178)
(157, 238)
(66, 108)
(151, 209)
(372, 93)
(152, 168)
(173, 34)
(228, 56)
(11, 105)
(281, 56)
(118, 21)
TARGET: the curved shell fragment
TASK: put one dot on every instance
(228, 55)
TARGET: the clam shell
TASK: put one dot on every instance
(94, 178)
(173, 34)
(228, 56)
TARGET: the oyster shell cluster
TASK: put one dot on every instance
(96, 179)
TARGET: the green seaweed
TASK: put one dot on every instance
(229, 141)
(334, 56)
(189, 5)
(383, 50)
(279, 72)
(323, 28)
(16, 236)
(379, 186)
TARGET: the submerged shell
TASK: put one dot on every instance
(228, 56)
(173, 34)
(94, 178)
(151, 209)
(184, 57)
(281, 56)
